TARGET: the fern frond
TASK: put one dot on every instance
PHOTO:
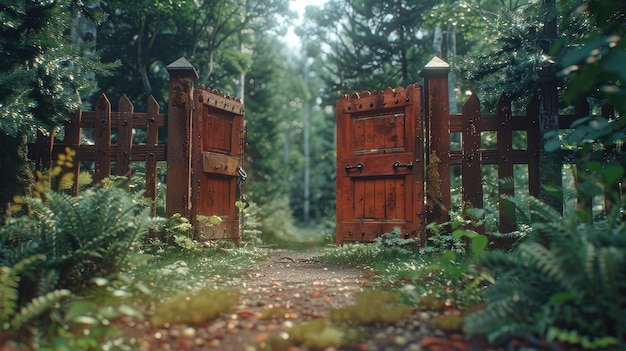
(546, 262)
(9, 287)
(37, 307)
(498, 320)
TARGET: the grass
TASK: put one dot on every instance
(174, 272)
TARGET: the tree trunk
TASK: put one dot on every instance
(550, 166)
(15, 174)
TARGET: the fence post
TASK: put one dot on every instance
(435, 75)
(504, 137)
(102, 158)
(179, 109)
(471, 170)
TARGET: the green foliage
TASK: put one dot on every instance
(565, 278)
(60, 246)
(250, 223)
(394, 245)
(17, 314)
(41, 72)
(593, 62)
(194, 308)
(173, 272)
(385, 39)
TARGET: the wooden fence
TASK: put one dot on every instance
(395, 156)
(471, 156)
(112, 146)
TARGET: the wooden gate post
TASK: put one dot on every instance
(435, 75)
(179, 110)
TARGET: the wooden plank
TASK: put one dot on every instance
(124, 138)
(139, 119)
(505, 164)
(88, 152)
(389, 99)
(471, 181)
(379, 198)
(102, 156)
(379, 133)
(359, 135)
(219, 163)
(152, 140)
(359, 199)
(391, 205)
(369, 134)
(370, 198)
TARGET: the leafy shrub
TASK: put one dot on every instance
(59, 245)
(565, 281)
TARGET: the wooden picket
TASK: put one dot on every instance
(177, 151)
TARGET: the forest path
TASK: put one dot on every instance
(286, 290)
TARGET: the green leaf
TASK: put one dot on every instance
(457, 223)
(80, 308)
(475, 213)
(594, 166)
(130, 311)
(581, 53)
(614, 62)
(553, 145)
(215, 220)
(612, 173)
(447, 257)
(479, 243)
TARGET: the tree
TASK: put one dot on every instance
(211, 34)
(367, 44)
(42, 78)
(273, 97)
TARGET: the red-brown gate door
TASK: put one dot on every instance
(217, 154)
(380, 167)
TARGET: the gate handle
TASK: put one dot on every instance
(398, 164)
(357, 166)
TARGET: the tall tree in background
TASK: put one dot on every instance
(270, 106)
(42, 77)
(367, 44)
(146, 37)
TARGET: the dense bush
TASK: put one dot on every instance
(57, 250)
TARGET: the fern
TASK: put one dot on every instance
(565, 281)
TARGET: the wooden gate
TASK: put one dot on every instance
(380, 166)
(217, 154)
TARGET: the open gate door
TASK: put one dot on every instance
(380, 168)
(217, 154)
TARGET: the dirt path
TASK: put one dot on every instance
(286, 290)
